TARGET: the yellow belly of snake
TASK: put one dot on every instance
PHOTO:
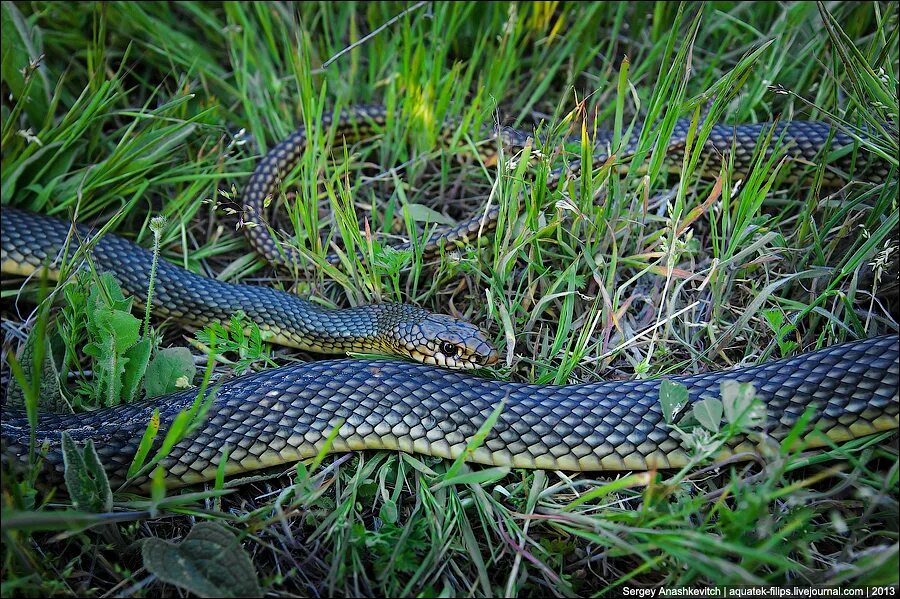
(286, 414)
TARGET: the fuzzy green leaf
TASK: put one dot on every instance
(136, 359)
(85, 478)
(209, 562)
(124, 326)
(50, 398)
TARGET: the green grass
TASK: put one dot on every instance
(137, 110)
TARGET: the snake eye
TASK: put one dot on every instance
(449, 349)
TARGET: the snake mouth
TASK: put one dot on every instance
(492, 358)
(484, 356)
(469, 363)
(451, 365)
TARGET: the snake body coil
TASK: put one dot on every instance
(801, 143)
(29, 242)
(286, 414)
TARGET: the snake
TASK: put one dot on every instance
(286, 414)
(800, 143)
(33, 243)
(282, 415)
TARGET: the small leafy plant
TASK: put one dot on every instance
(120, 354)
(701, 428)
(242, 338)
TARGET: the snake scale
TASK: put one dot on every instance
(286, 414)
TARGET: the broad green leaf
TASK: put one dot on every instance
(673, 398)
(116, 332)
(388, 512)
(171, 370)
(107, 294)
(423, 214)
(708, 413)
(775, 318)
(124, 326)
(209, 562)
(112, 331)
(742, 407)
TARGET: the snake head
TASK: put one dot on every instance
(444, 341)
